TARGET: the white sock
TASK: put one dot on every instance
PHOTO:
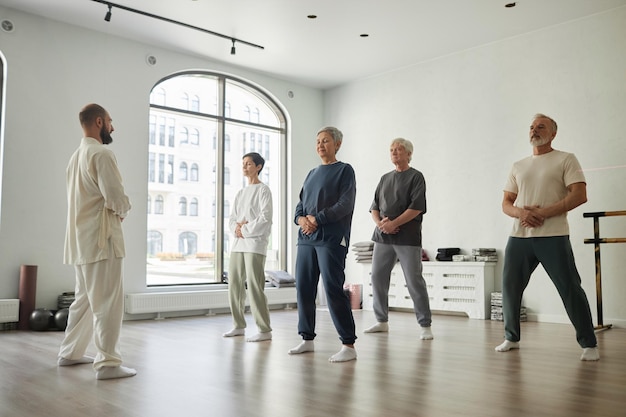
(304, 346)
(113, 372)
(381, 326)
(235, 332)
(506, 346)
(344, 355)
(260, 337)
(590, 354)
(70, 362)
(427, 334)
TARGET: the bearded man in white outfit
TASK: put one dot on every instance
(94, 244)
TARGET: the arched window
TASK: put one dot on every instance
(195, 103)
(194, 137)
(182, 171)
(212, 112)
(158, 204)
(155, 242)
(184, 135)
(182, 206)
(184, 100)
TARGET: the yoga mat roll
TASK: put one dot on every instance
(27, 294)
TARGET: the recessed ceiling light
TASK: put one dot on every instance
(312, 16)
(510, 4)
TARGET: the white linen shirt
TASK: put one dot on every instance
(254, 205)
(96, 205)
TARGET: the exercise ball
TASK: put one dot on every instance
(60, 318)
(39, 319)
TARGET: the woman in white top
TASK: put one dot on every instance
(251, 223)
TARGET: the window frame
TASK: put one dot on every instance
(222, 119)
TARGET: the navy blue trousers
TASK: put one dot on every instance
(329, 262)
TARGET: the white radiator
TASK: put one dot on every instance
(138, 303)
(9, 311)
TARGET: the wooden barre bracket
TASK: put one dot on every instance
(597, 240)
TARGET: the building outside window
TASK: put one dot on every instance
(188, 238)
(158, 204)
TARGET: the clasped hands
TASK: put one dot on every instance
(238, 229)
(308, 224)
(531, 217)
(387, 226)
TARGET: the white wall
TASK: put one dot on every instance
(468, 114)
(53, 70)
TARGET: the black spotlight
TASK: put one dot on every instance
(108, 15)
(232, 48)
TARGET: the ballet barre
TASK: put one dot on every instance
(597, 240)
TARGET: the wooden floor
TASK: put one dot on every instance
(185, 368)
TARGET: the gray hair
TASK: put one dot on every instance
(334, 132)
(406, 144)
(543, 116)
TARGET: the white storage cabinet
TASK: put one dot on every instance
(464, 287)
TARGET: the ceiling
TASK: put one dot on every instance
(326, 51)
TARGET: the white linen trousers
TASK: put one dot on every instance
(96, 312)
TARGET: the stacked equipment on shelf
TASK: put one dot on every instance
(496, 308)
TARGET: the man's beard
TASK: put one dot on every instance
(105, 136)
(539, 141)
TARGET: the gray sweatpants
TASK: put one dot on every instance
(410, 257)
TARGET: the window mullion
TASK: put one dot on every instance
(219, 180)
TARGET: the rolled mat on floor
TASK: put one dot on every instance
(27, 294)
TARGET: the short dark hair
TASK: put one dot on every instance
(256, 158)
(90, 113)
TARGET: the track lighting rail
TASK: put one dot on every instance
(111, 5)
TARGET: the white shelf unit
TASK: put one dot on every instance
(463, 287)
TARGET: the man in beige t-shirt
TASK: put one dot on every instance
(539, 192)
